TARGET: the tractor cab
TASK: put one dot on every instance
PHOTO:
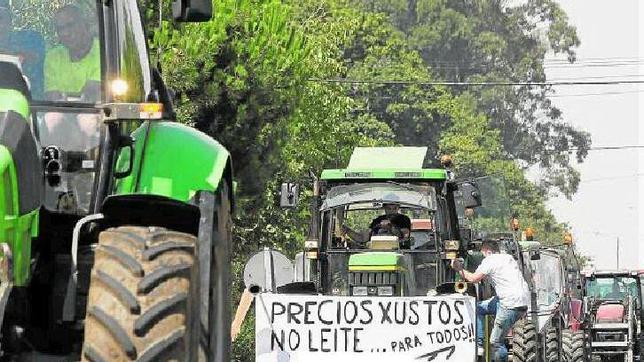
(606, 287)
(385, 225)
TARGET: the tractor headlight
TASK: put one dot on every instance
(359, 291)
(119, 87)
(386, 291)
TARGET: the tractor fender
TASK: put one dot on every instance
(150, 210)
(174, 161)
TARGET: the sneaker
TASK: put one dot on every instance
(480, 351)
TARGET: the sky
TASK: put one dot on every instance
(610, 201)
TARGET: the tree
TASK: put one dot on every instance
(500, 41)
(477, 150)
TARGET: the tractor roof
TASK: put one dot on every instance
(611, 273)
(386, 163)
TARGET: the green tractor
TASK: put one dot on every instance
(356, 248)
(115, 223)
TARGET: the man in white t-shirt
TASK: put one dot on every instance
(512, 294)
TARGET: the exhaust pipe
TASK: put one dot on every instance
(456, 287)
(460, 287)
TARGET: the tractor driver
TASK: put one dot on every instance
(74, 66)
(72, 72)
(391, 223)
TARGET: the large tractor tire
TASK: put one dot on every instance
(524, 341)
(573, 346)
(143, 297)
(552, 344)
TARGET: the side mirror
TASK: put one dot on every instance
(289, 195)
(192, 11)
(471, 194)
(535, 255)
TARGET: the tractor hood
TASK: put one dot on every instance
(610, 313)
(376, 261)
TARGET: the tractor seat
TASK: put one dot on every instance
(12, 77)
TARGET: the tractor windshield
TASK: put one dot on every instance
(613, 288)
(71, 143)
(361, 211)
(58, 47)
(380, 220)
(547, 279)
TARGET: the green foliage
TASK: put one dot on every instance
(497, 41)
(476, 147)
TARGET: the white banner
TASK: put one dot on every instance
(321, 328)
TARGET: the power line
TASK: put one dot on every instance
(592, 65)
(481, 84)
(609, 148)
(595, 94)
(595, 59)
(578, 61)
(625, 76)
(455, 66)
(623, 147)
(636, 175)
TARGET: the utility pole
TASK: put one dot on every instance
(618, 253)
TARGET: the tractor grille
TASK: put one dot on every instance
(373, 278)
(610, 337)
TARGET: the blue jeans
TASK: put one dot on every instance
(503, 322)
